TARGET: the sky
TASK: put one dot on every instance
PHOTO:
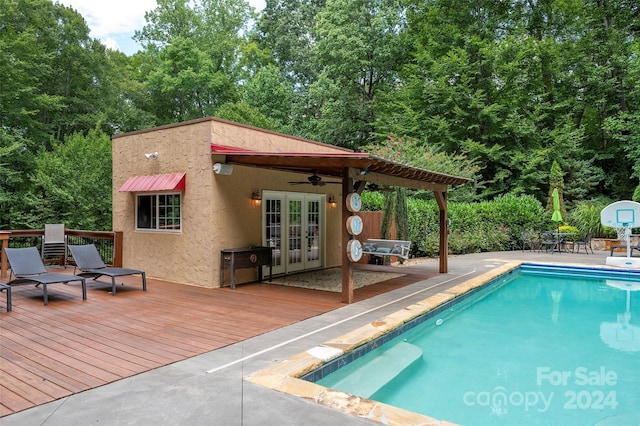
(114, 22)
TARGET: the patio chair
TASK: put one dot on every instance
(549, 242)
(586, 243)
(90, 263)
(530, 240)
(27, 266)
(54, 243)
(624, 246)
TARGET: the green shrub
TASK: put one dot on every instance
(586, 216)
(486, 226)
(573, 233)
(372, 201)
(495, 225)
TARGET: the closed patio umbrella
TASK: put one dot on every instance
(557, 216)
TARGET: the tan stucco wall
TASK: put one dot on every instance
(216, 209)
(230, 134)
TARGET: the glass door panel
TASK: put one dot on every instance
(273, 231)
(314, 232)
(295, 259)
(293, 226)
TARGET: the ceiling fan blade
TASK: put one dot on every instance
(372, 187)
(314, 180)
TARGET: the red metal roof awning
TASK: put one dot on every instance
(169, 182)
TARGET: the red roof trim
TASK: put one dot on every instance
(230, 150)
(226, 149)
(168, 182)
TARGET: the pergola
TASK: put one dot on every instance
(354, 169)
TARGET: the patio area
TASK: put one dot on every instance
(71, 345)
(179, 355)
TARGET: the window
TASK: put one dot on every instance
(159, 212)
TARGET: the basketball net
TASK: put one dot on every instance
(624, 232)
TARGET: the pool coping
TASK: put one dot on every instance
(286, 376)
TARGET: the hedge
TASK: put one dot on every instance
(495, 225)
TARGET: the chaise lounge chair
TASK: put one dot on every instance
(27, 266)
(90, 263)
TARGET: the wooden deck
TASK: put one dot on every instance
(71, 345)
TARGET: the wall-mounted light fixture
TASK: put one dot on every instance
(256, 199)
(363, 172)
(222, 169)
(331, 201)
(152, 156)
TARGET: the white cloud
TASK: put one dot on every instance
(112, 17)
(111, 43)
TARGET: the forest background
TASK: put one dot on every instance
(493, 90)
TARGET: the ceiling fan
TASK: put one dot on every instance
(314, 180)
(374, 187)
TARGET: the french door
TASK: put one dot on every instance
(293, 225)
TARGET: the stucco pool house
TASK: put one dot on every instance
(186, 191)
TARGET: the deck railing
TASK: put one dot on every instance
(109, 244)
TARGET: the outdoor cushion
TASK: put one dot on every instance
(397, 249)
(369, 247)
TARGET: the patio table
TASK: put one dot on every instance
(559, 238)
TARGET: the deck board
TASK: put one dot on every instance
(71, 345)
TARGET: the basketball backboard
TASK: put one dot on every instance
(621, 214)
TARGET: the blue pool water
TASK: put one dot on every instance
(542, 346)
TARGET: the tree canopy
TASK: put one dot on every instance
(494, 90)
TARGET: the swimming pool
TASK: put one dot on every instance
(544, 345)
(315, 363)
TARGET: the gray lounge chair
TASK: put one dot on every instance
(27, 266)
(90, 263)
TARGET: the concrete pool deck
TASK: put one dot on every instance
(211, 389)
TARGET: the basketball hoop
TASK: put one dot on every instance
(622, 216)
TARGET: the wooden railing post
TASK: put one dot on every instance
(117, 249)
(4, 264)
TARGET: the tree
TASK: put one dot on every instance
(56, 81)
(285, 28)
(431, 157)
(191, 56)
(270, 93)
(358, 52)
(72, 184)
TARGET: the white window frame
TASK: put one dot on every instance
(156, 227)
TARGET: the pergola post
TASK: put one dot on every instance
(347, 266)
(441, 198)
(4, 265)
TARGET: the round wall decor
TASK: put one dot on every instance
(354, 225)
(354, 250)
(354, 202)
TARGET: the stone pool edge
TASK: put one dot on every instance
(285, 376)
